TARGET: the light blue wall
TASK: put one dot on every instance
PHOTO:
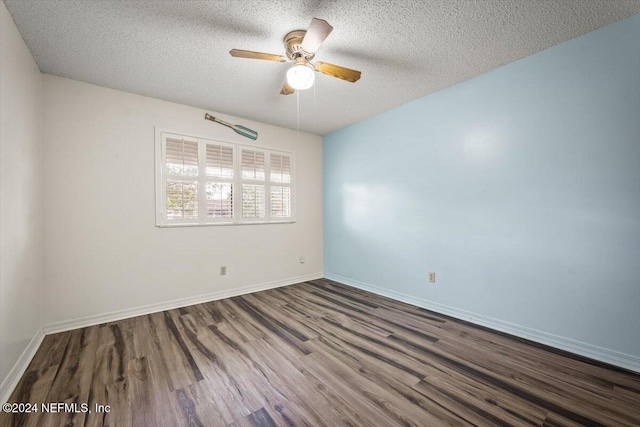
(520, 188)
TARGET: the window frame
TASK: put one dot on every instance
(161, 182)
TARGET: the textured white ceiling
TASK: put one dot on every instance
(178, 50)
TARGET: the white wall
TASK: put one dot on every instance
(20, 196)
(103, 252)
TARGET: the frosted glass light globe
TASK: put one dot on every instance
(301, 77)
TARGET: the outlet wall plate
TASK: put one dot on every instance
(432, 277)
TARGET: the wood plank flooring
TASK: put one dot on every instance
(316, 354)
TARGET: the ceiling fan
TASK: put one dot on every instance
(300, 48)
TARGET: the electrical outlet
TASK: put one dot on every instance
(223, 270)
(302, 260)
(432, 277)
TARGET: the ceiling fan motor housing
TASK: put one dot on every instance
(293, 46)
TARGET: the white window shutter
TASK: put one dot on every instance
(280, 202)
(202, 181)
(182, 200)
(280, 168)
(181, 157)
(219, 171)
(280, 189)
(219, 200)
(219, 161)
(253, 201)
(252, 164)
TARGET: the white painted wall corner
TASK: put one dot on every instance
(20, 367)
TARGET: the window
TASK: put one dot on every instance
(280, 185)
(205, 182)
(253, 184)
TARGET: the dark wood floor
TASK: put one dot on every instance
(313, 354)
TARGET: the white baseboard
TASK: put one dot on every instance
(611, 357)
(21, 365)
(83, 322)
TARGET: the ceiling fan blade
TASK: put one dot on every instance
(318, 31)
(286, 89)
(337, 71)
(239, 53)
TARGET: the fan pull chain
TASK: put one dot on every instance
(298, 106)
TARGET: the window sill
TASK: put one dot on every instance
(217, 224)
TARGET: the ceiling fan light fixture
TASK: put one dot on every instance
(301, 77)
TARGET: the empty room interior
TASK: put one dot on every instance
(320, 213)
